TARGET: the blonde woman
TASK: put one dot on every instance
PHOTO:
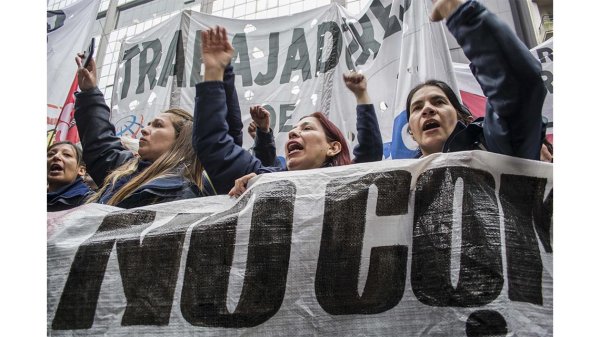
(165, 170)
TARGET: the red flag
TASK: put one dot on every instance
(65, 126)
(474, 102)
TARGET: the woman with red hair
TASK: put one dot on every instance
(314, 142)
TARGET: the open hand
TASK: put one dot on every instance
(261, 116)
(216, 53)
(240, 185)
(86, 77)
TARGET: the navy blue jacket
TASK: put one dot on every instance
(225, 161)
(264, 148)
(510, 78)
(234, 115)
(103, 152)
(164, 189)
(68, 196)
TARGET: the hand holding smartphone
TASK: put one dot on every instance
(87, 55)
(86, 75)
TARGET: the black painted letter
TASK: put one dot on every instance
(480, 277)
(272, 61)
(522, 200)
(174, 69)
(336, 280)
(297, 47)
(335, 47)
(127, 56)
(149, 271)
(204, 294)
(196, 76)
(148, 69)
(78, 301)
(240, 53)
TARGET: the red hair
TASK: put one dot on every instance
(332, 133)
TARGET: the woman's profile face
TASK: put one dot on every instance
(307, 146)
(157, 137)
(62, 166)
(432, 119)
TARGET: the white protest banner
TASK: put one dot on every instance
(453, 244)
(293, 64)
(69, 32)
(472, 95)
(145, 76)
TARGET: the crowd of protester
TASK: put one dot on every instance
(181, 156)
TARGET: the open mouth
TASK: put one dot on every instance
(55, 168)
(294, 147)
(431, 124)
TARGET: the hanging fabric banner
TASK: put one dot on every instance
(450, 245)
(69, 32)
(292, 65)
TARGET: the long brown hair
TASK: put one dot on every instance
(180, 159)
(333, 133)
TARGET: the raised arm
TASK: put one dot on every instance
(370, 144)
(102, 149)
(234, 114)
(264, 142)
(509, 76)
(222, 158)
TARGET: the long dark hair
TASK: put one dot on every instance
(463, 113)
(333, 133)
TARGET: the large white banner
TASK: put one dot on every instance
(450, 245)
(69, 32)
(293, 64)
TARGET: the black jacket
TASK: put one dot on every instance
(103, 152)
(510, 78)
(69, 196)
(225, 161)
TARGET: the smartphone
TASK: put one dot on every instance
(87, 55)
